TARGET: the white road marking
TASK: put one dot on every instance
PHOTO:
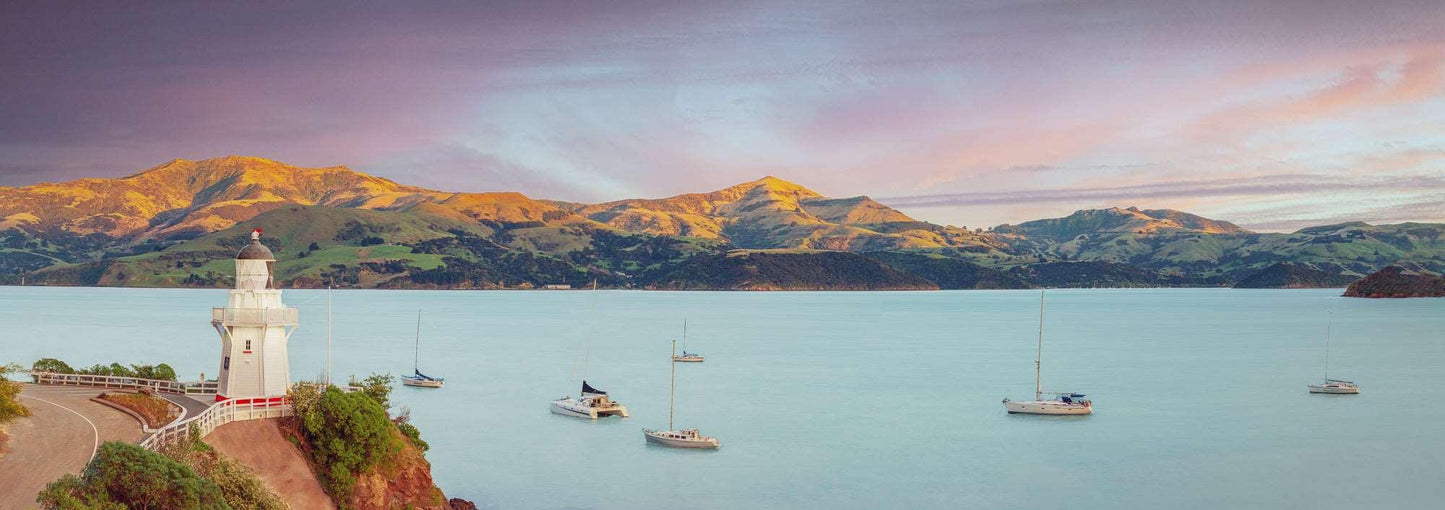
(94, 430)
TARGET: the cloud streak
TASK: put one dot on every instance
(1272, 185)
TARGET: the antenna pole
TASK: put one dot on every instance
(672, 389)
(1039, 358)
(1328, 324)
(328, 334)
(416, 351)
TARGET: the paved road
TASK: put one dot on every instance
(59, 438)
(193, 405)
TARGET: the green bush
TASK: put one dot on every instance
(413, 434)
(72, 493)
(162, 371)
(378, 387)
(52, 365)
(240, 487)
(10, 407)
(125, 475)
(349, 434)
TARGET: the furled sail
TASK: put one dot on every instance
(587, 388)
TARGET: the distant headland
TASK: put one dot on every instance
(1398, 282)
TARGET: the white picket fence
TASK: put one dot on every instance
(219, 414)
(126, 383)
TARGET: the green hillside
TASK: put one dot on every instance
(178, 224)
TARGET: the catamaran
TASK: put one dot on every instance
(686, 438)
(1062, 403)
(419, 379)
(1333, 386)
(686, 357)
(592, 402)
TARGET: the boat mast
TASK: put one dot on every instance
(1328, 324)
(416, 352)
(587, 347)
(684, 337)
(672, 389)
(1039, 358)
(328, 334)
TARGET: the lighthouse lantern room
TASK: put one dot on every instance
(254, 327)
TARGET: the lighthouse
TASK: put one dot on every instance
(254, 327)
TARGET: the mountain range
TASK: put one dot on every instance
(179, 223)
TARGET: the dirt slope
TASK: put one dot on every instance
(259, 445)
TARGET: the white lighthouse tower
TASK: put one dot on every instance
(254, 328)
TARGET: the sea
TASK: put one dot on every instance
(844, 400)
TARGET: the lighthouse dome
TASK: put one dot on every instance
(255, 250)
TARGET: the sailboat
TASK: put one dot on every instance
(686, 438)
(686, 357)
(591, 402)
(1333, 386)
(419, 379)
(1062, 403)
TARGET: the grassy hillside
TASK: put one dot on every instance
(179, 223)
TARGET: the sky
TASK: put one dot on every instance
(1273, 115)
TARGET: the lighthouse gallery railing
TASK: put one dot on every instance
(219, 414)
(245, 316)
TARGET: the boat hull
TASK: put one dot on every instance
(655, 437)
(1047, 407)
(420, 383)
(1334, 390)
(565, 408)
(691, 359)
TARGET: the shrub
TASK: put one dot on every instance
(124, 475)
(305, 395)
(378, 387)
(10, 407)
(349, 433)
(413, 434)
(162, 371)
(240, 487)
(52, 365)
(156, 411)
(403, 424)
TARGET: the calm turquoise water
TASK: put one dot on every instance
(858, 400)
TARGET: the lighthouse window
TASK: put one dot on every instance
(248, 346)
(226, 362)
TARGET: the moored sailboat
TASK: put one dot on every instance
(591, 402)
(1333, 386)
(417, 378)
(685, 438)
(686, 357)
(1063, 403)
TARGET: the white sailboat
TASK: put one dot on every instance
(1062, 403)
(591, 402)
(417, 378)
(685, 438)
(686, 357)
(1333, 386)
